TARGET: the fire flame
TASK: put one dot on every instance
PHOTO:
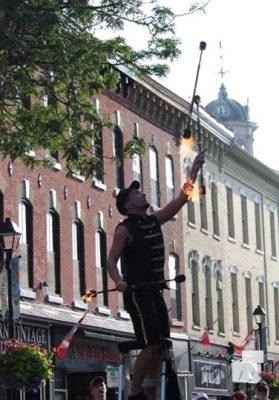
(185, 146)
(89, 295)
(192, 190)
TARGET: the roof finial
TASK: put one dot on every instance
(221, 72)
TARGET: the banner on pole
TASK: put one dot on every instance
(15, 288)
(4, 292)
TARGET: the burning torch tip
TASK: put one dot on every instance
(187, 133)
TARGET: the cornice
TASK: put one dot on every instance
(170, 112)
(253, 173)
(163, 108)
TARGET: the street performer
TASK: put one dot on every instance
(138, 240)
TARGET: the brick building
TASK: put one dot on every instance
(227, 253)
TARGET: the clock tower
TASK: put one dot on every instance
(235, 117)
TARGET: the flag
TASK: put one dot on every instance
(205, 340)
(239, 348)
(248, 337)
(63, 346)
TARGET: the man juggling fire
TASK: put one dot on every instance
(138, 240)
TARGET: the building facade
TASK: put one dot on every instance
(226, 244)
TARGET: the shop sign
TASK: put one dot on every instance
(112, 376)
(245, 372)
(210, 375)
(82, 351)
(89, 355)
(27, 333)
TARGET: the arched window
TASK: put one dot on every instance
(25, 222)
(190, 204)
(203, 213)
(244, 218)
(98, 147)
(78, 258)
(218, 270)
(175, 288)
(215, 210)
(118, 151)
(53, 251)
(234, 294)
(195, 293)
(273, 239)
(230, 212)
(136, 161)
(248, 295)
(101, 270)
(169, 178)
(154, 176)
(208, 293)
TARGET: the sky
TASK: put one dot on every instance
(248, 54)
(242, 40)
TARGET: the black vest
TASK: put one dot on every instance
(143, 259)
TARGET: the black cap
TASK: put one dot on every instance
(262, 384)
(122, 197)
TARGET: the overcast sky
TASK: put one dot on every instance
(247, 30)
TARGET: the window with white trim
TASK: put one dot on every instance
(195, 293)
(244, 219)
(230, 213)
(175, 288)
(234, 294)
(215, 210)
(154, 176)
(101, 270)
(169, 178)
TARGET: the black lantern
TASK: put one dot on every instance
(9, 236)
(260, 314)
(9, 240)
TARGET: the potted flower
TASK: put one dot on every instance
(272, 379)
(24, 366)
(239, 395)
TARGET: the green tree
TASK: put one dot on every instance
(50, 52)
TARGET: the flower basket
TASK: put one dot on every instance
(239, 395)
(272, 379)
(24, 366)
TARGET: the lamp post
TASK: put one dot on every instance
(259, 314)
(9, 240)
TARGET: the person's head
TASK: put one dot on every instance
(98, 388)
(262, 390)
(201, 396)
(131, 200)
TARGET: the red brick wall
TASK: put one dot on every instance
(100, 200)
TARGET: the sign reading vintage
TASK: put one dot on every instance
(27, 333)
(210, 375)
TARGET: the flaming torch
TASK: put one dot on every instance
(187, 132)
(186, 140)
(197, 101)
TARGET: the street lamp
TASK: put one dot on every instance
(260, 314)
(9, 240)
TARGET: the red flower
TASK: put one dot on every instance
(239, 395)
